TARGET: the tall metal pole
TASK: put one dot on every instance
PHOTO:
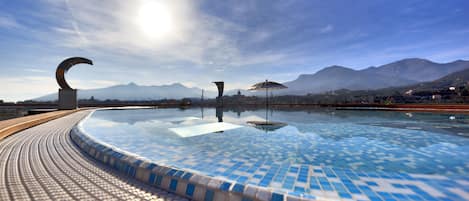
(202, 98)
(266, 102)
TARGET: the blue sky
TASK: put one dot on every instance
(238, 41)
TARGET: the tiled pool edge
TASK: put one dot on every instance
(184, 183)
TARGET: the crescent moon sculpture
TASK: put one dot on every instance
(65, 66)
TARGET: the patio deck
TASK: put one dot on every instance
(42, 163)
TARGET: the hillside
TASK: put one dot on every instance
(401, 73)
(133, 91)
(456, 79)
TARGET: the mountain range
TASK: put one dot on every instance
(399, 73)
(134, 92)
(455, 79)
(406, 72)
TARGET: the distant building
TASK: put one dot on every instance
(452, 88)
(436, 97)
(409, 93)
(1, 101)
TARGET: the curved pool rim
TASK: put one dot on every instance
(189, 184)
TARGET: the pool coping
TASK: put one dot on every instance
(189, 184)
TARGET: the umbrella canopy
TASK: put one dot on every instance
(267, 126)
(267, 85)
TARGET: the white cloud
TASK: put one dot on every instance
(27, 87)
(35, 70)
(328, 28)
(91, 84)
(8, 22)
(30, 87)
(197, 38)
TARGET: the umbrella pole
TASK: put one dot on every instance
(266, 104)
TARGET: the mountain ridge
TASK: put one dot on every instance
(404, 72)
(399, 73)
(135, 92)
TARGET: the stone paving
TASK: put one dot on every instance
(42, 163)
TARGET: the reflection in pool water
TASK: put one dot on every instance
(317, 141)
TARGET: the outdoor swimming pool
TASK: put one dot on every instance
(323, 153)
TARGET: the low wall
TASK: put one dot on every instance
(184, 183)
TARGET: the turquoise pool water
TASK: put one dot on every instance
(326, 153)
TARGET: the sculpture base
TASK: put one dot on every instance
(68, 99)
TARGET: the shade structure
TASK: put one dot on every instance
(267, 127)
(266, 85)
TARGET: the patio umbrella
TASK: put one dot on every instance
(266, 86)
(267, 127)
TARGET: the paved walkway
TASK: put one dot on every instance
(11, 126)
(42, 163)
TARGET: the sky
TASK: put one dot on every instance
(195, 42)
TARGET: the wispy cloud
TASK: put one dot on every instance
(241, 42)
(8, 22)
(328, 28)
(200, 39)
(26, 87)
(35, 70)
(92, 84)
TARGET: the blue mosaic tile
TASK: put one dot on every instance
(173, 184)
(293, 169)
(152, 178)
(209, 195)
(239, 188)
(190, 189)
(299, 189)
(225, 186)
(345, 152)
(345, 195)
(277, 197)
(257, 176)
(288, 183)
(398, 186)
(171, 172)
(242, 179)
(159, 179)
(178, 173)
(371, 183)
(187, 176)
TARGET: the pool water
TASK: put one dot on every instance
(370, 155)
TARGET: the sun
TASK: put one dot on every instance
(155, 19)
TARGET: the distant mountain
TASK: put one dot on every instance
(420, 70)
(456, 79)
(401, 73)
(338, 77)
(133, 91)
(406, 72)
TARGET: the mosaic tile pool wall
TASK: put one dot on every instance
(318, 154)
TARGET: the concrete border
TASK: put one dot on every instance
(184, 183)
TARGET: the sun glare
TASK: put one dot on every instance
(155, 19)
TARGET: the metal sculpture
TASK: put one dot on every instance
(67, 95)
(220, 86)
(65, 66)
